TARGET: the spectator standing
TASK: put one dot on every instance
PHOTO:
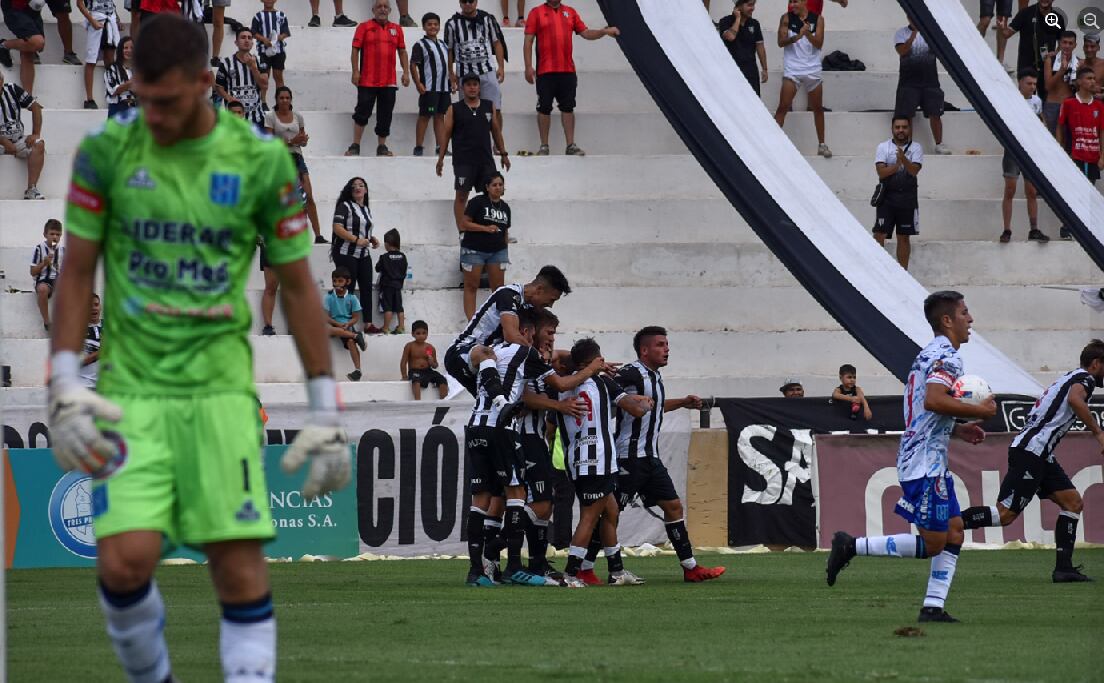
(117, 79)
(271, 286)
(271, 30)
(342, 316)
(392, 267)
(552, 26)
(1037, 37)
(1083, 116)
(470, 125)
(90, 358)
(152, 7)
(32, 148)
(897, 162)
(801, 36)
(744, 39)
(918, 82)
(792, 388)
(218, 26)
(239, 78)
(430, 64)
(520, 23)
(405, 20)
(1091, 43)
(375, 46)
(1003, 13)
(818, 6)
(352, 238)
(849, 391)
(1060, 75)
(101, 36)
(29, 38)
(484, 235)
(1027, 80)
(339, 15)
(46, 261)
(419, 363)
(287, 124)
(473, 37)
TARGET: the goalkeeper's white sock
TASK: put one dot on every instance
(247, 641)
(136, 626)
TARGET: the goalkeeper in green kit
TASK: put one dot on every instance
(173, 196)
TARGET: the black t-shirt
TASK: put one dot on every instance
(743, 48)
(392, 269)
(1035, 35)
(471, 134)
(485, 212)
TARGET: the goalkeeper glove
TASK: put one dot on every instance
(76, 441)
(323, 441)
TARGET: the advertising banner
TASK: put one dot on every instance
(857, 481)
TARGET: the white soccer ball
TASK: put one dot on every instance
(971, 389)
(36, 5)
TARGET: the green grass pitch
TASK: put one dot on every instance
(770, 618)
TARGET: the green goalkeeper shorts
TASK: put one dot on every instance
(193, 470)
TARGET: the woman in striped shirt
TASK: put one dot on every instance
(352, 238)
(120, 97)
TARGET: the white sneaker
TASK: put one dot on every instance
(572, 582)
(33, 193)
(942, 149)
(823, 151)
(625, 578)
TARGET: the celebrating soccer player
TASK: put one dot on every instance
(929, 499)
(174, 197)
(1032, 469)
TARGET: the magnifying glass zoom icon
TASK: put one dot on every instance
(1090, 21)
(1088, 18)
(1052, 20)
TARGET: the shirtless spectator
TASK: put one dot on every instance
(1060, 72)
(1091, 43)
(419, 363)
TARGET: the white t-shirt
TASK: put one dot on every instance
(285, 131)
(887, 153)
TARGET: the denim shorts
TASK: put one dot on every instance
(473, 257)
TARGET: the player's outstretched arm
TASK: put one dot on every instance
(690, 401)
(1080, 407)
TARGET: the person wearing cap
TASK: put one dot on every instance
(792, 388)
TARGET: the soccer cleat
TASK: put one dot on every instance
(491, 571)
(843, 549)
(1071, 575)
(315, 21)
(573, 582)
(588, 577)
(700, 573)
(478, 581)
(935, 614)
(625, 578)
(342, 20)
(524, 578)
(822, 150)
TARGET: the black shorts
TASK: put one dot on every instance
(472, 177)
(434, 103)
(300, 164)
(389, 300)
(929, 100)
(459, 368)
(1030, 475)
(593, 488)
(427, 376)
(262, 257)
(23, 23)
(906, 220)
(266, 63)
(646, 477)
(538, 467)
(51, 283)
(556, 86)
(1089, 170)
(1003, 7)
(59, 6)
(496, 460)
(367, 98)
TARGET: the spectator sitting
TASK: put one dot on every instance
(1004, 13)
(520, 23)
(343, 314)
(236, 108)
(1060, 76)
(429, 62)
(801, 36)
(897, 163)
(375, 45)
(352, 237)
(26, 24)
(849, 391)
(552, 26)
(339, 15)
(32, 147)
(918, 82)
(287, 125)
(101, 36)
(744, 39)
(270, 30)
(484, 240)
(419, 363)
(792, 388)
(1083, 116)
(1027, 80)
(117, 79)
(392, 269)
(90, 358)
(46, 267)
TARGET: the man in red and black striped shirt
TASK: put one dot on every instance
(553, 26)
(375, 46)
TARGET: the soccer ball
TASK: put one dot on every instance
(36, 5)
(971, 389)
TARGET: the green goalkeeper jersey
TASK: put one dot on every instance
(177, 227)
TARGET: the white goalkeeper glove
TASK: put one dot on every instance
(76, 441)
(323, 441)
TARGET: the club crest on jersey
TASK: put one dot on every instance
(141, 180)
(225, 188)
(392, 31)
(288, 196)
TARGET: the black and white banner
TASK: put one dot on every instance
(673, 47)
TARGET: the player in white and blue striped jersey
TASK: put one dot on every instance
(928, 499)
(1032, 469)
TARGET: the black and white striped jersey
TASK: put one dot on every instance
(52, 271)
(100, 8)
(357, 219)
(485, 327)
(471, 42)
(431, 56)
(534, 422)
(114, 76)
(271, 25)
(192, 10)
(237, 79)
(89, 373)
(638, 437)
(517, 364)
(12, 99)
(1052, 415)
(590, 444)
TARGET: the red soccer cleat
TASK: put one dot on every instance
(588, 577)
(700, 573)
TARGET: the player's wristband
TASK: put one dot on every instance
(64, 369)
(322, 397)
